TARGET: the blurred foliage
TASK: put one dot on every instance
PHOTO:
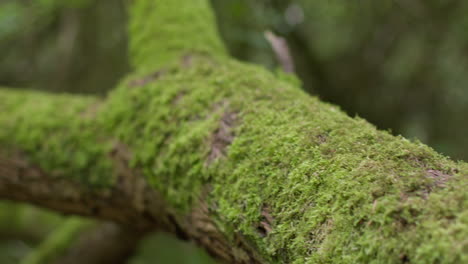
(400, 64)
(52, 44)
(403, 65)
(23, 227)
(163, 248)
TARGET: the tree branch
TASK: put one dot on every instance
(281, 50)
(164, 30)
(21, 181)
(227, 155)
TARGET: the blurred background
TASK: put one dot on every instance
(401, 64)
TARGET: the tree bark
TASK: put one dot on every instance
(230, 156)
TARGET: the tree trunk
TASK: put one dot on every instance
(231, 156)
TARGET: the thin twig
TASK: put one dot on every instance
(281, 50)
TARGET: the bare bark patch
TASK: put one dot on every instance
(321, 139)
(318, 235)
(91, 111)
(265, 225)
(178, 98)
(129, 180)
(187, 61)
(439, 178)
(222, 137)
(281, 49)
(147, 79)
(201, 227)
(417, 161)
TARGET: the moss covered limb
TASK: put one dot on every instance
(164, 30)
(82, 167)
(255, 169)
(237, 159)
(56, 128)
(295, 177)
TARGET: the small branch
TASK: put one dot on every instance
(281, 50)
(22, 181)
(131, 203)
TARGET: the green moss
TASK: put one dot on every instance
(55, 132)
(339, 190)
(168, 123)
(162, 31)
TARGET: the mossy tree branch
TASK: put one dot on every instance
(163, 31)
(231, 156)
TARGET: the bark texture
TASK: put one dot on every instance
(231, 156)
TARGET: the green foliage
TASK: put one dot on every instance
(399, 65)
(22, 227)
(16, 218)
(161, 248)
(52, 44)
(242, 24)
(58, 242)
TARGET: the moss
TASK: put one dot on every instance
(167, 123)
(55, 133)
(58, 242)
(164, 30)
(339, 191)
